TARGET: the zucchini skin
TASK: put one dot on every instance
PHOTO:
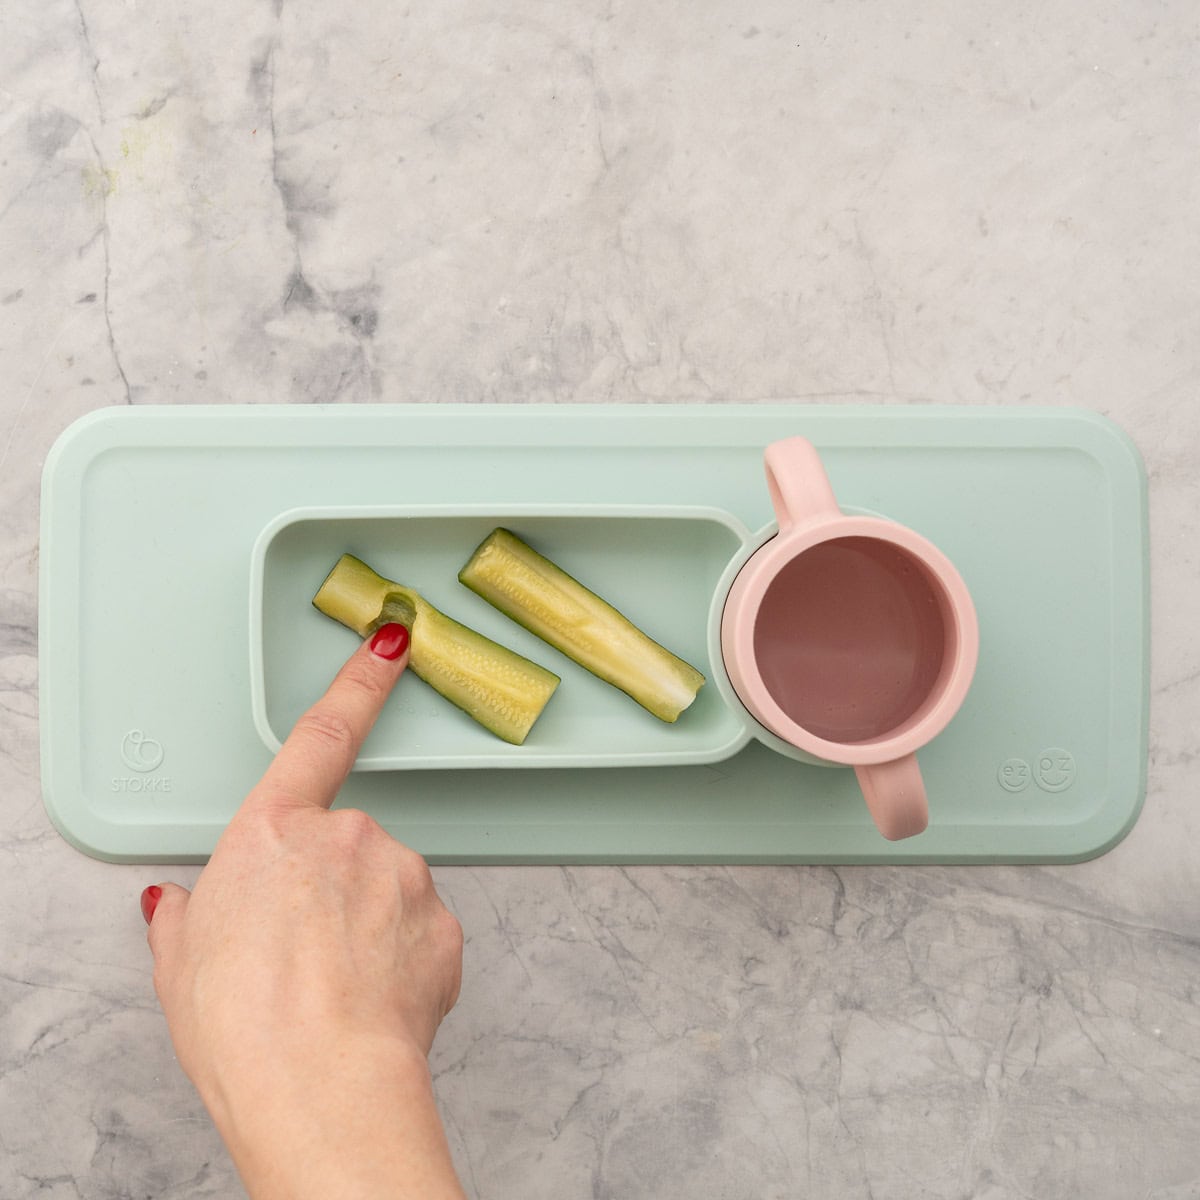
(539, 595)
(502, 690)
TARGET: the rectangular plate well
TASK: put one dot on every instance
(658, 565)
(150, 518)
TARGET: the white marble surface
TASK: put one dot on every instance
(960, 201)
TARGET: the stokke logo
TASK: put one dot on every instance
(141, 753)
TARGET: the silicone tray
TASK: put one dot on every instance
(165, 681)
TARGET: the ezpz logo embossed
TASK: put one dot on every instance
(1014, 775)
(144, 755)
(1053, 770)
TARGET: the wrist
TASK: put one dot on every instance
(334, 1117)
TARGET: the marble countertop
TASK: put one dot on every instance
(958, 202)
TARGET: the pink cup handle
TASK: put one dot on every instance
(800, 489)
(895, 795)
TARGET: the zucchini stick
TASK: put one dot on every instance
(539, 595)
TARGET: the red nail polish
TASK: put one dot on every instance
(150, 898)
(390, 641)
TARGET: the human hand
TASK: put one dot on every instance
(304, 977)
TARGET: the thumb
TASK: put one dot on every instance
(163, 906)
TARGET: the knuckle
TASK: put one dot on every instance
(327, 723)
(414, 870)
(355, 827)
(357, 677)
(327, 728)
(452, 933)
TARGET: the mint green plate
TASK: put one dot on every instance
(165, 681)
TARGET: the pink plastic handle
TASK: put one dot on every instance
(895, 796)
(800, 489)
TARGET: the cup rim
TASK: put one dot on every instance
(770, 549)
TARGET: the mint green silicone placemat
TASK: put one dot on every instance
(150, 517)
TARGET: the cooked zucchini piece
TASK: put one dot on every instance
(501, 689)
(539, 595)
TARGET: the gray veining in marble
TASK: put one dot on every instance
(960, 202)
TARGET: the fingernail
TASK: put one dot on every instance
(390, 641)
(150, 898)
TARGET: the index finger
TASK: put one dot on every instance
(319, 753)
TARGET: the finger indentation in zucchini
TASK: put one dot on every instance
(502, 690)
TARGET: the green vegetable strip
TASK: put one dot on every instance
(536, 593)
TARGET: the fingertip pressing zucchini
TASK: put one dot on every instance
(538, 594)
(502, 690)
